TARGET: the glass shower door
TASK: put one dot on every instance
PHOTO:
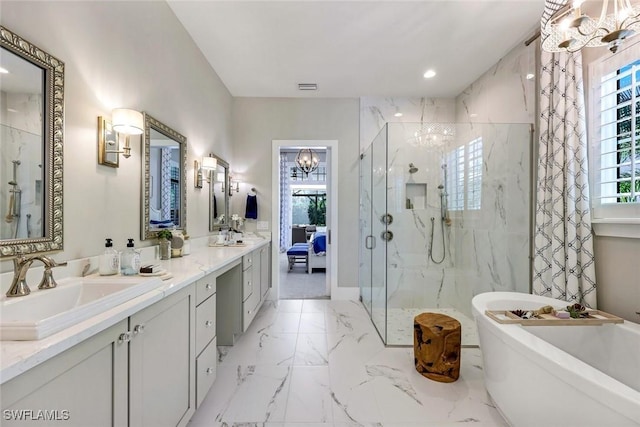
(366, 238)
(378, 232)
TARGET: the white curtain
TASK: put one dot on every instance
(285, 201)
(563, 254)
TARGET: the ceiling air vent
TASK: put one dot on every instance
(307, 86)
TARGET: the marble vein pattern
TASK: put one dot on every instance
(341, 376)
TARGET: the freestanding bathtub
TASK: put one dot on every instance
(561, 376)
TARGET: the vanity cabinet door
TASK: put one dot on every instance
(83, 386)
(162, 362)
(265, 270)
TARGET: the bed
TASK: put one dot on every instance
(317, 251)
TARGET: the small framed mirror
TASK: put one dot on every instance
(219, 196)
(31, 147)
(164, 183)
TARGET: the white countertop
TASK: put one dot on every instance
(17, 357)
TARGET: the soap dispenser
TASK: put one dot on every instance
(109, 260)
(130, 263)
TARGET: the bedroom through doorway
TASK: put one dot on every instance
(304, 251)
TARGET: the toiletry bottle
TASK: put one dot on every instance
(109, 260)
(130, 263)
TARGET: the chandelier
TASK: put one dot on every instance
(433, 135)
(569, 29)
(307, 160)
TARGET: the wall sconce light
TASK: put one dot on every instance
(234, 185)
(208, 165)
(124, 122)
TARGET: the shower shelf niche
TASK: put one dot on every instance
(416, 195)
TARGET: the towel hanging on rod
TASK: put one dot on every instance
(251, 211)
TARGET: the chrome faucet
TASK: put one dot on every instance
(21, 265)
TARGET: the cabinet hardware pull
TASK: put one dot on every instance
(210, 371)
(124, 337)
(208, 323)
(208, 286)
(138, 329)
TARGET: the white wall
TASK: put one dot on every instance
(123, 54)
(258, 121)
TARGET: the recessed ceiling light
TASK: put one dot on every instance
(12, 110)
(473, 115)
(530, 76)
(307, 86)
(4, 71)
(398, 114)
(428, 74)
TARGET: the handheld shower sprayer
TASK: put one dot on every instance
(14, 197)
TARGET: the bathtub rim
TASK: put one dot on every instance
(573, 371)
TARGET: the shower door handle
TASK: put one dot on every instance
(370, 242)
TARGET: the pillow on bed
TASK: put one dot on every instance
(319, 243)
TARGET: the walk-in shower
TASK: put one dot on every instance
(461, 221)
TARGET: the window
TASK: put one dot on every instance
(615, 135)
(464, 176)
(309, 207)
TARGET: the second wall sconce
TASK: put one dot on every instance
(208, 165)
(124, 122)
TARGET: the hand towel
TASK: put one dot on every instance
(252, 207)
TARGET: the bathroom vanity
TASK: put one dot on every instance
(149, 361)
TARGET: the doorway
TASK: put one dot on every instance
(304, 249)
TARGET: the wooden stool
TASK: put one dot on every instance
(436, 346)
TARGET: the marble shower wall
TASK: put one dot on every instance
(486, 249)
(21, 139)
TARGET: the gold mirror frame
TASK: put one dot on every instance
(53, 133)
(149, 123)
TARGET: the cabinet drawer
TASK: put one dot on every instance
(247, 283)
(205, 371)
(247, 261)
(205, 323)
(205, 287)
(249, 309)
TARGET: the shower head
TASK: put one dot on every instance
(440, 187)
(412, 168)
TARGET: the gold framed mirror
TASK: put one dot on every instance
(164, 182)
(31, 147)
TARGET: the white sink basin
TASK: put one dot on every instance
(45, 312)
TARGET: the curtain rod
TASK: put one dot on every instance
(532, 38)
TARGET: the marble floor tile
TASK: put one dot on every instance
(281, 323)
(290, 305)
(311, 350)
(312, 323)
(246, 394)
(262, 349)
(309, 395)
(315, 305)
(321, 363)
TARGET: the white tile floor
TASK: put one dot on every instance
(400, 324)
(320, 363)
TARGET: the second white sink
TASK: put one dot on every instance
(45, 312)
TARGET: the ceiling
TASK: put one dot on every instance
(355, 48)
